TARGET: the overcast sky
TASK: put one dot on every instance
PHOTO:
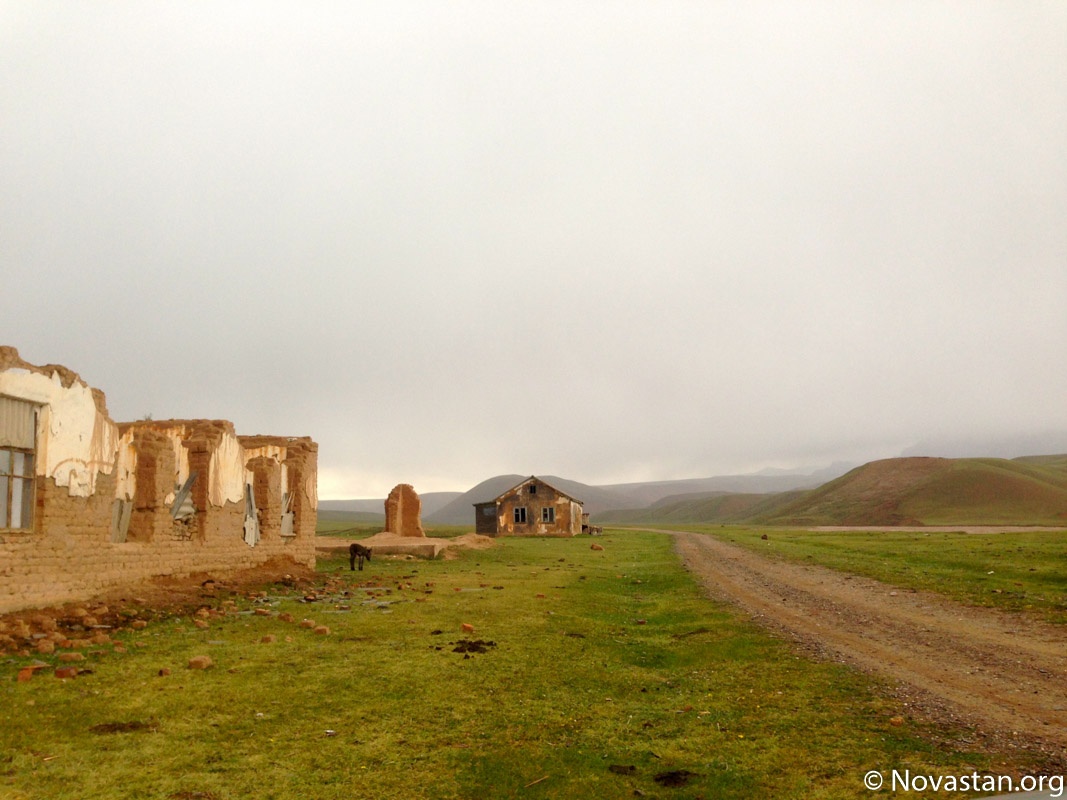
(611, 241)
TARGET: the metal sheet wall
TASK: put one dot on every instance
(18, 423)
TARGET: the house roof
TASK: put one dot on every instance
(539, 480)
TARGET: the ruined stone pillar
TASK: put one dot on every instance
(267, 490)
(403, 510)
(150, 517)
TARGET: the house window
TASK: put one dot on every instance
(520, 515)
(16, 488)
(548, 514)
(18, 441)
(533, 488)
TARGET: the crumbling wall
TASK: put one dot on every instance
(76, 440)
(105, 496)
(403, 512)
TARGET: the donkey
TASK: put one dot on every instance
(357, 552)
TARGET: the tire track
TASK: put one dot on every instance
(1004, 673)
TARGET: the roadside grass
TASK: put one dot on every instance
(592, 660)
(1017, 571)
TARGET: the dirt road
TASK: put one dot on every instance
(1003, 673)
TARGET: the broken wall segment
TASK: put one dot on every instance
(114, 504)
(403, 512)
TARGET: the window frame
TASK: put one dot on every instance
(519, 515)
(548, 514)
(18, 487)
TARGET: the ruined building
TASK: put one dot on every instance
(533, 508)
(88, 505)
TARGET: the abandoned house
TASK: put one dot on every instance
(88, 505)
(533, 508)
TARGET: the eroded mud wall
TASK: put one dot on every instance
(105, 496)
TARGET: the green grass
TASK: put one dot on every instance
(1017, 571)
(601, 658)
(352, 525)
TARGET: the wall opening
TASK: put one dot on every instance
(18, 446)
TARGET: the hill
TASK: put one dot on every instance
(699, 507)
(936, 491)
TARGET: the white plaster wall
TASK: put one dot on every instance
(75, 442)
(126, 464)
(227, 467)
(227, 472)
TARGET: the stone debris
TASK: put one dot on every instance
(201, 662)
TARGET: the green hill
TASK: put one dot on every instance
(898, 491)
(937, 491)
(721, 507)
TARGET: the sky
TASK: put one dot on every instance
(608, 241)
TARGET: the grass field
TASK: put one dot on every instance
(601, 670)
(349, 526)
(1017, 571)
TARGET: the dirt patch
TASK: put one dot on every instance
(132, 606)
(474, 541)
(1003, 674)
(472, 646)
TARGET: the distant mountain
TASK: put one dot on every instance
(431, 502)
(642, 495)
(1031, 490)
(460, 510)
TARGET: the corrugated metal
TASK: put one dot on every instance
(18, 423)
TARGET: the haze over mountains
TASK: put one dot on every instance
(456, 508)
(1029, 490)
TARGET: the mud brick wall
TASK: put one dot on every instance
(267, 488)
(91, 470)
(69, 556)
